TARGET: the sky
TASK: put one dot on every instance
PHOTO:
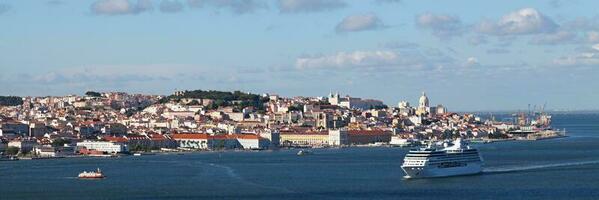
(467, 55)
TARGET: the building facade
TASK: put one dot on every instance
(106, 147)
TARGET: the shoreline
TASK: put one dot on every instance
(171, 153)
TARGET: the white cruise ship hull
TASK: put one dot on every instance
(434, 171)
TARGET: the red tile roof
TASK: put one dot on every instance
(190, 136)
(246, 136)
(368, 132)
(292, 132)
(157, 137)
(115, 139)
(222, 137)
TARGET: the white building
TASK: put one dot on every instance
(399, 141)
(178, 114)
(338, 137)
(423, 105)
(235, 116)
(403, 104)
(250, 141)
(273, 135)
(193, 141)
(353, 103)
(416, 120)
(45, 151)
(23, 145)
(108, 147)
(440, 109)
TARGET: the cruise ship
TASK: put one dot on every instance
(453, 159)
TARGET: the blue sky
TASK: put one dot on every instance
(467, 55)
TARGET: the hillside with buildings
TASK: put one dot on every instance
(115, 122)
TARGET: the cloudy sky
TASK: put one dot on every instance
(467, 55)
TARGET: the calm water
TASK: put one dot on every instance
(550, 169)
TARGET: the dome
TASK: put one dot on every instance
(423, 102)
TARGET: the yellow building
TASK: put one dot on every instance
(304, 138)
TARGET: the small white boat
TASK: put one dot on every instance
(91, 175)
(304, 152)
(143, 154)
(12, 158)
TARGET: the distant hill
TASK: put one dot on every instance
(10, 101)
(236, 99)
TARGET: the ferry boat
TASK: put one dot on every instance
(91, 175)
(454, 159)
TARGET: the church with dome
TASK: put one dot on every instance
(423, 105)
(423, 109)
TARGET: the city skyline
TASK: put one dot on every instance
(501, 56)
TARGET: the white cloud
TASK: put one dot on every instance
(442, 26)
(171, 6)
(523, 21)
(471, 61)
(477, 40)
(560, 37)
(144, 5)
(588, 58)
(112, 7)
(581, 23)
(381, 60)
(593, 36)
(55, 2)
(355, 23)
(387, 1)
(236, 6)
(400, 45)
(498, 51)
(305, 6)
(120, 7)
(583, 59)
(349, 60)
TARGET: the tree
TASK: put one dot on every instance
(93, 94)
(12, 151)
(10, 101)
(378, 107)
(295, 108)
(193, 103)
(60, 142)
(222, 98)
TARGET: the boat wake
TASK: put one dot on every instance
(231, 173)
(228, 170)
(534, 167)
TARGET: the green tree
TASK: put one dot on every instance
(12, 151)
(222, 98)
(93, 94)
(295, 108)
(60, 142)
(193, 103)
(10, 101)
